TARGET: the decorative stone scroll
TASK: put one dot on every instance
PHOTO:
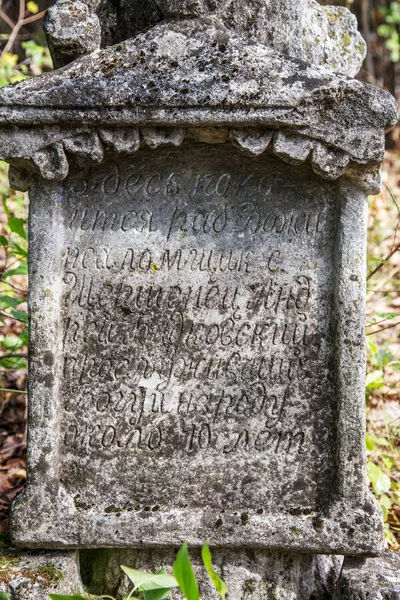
(197, 250)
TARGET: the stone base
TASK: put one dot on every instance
(370, 579)
(32, 575)
(250, 575)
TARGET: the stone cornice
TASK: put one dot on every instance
(180, 78)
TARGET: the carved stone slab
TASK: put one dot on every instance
(197, 356)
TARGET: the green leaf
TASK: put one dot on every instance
(395, 365)
(136, 577)
(388, 462)
(369, 443)
(17, 226)
(159, 581)
(379, 441)
(149, 581)
(386, 505)
(32, 7)
(388, 316)
(374, 380)
(156, 594)
(20, 315)
(18, 251)
(385, 501)
(58, 597)
(21, 270)
(220, 585)
(10, 301)
(4, 243)
(13, 364)
(5, 198)
(184, 574)
(11, 342)
(4, 596)
(379, 480)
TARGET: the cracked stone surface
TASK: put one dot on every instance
(326, 36)
(370, 579)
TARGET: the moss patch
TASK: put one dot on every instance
(5, 540)
(46, 575)
(9, 562)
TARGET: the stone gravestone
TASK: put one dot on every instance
(197, 275)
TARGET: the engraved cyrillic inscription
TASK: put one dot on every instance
(196, 295)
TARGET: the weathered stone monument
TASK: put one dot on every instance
(197, 257)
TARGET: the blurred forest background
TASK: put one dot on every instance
(23, 53)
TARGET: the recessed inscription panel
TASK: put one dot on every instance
(197, 294)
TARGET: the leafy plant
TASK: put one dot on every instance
(32, 59)
(13, 280)
(383, 462)
(382, 445)
(148, 586)
(390, 29)
(220, 585)
(184, 574)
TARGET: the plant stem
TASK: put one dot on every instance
(7, 19)
(33, 18)
(388, 257)
(21, 22)
(383, 328)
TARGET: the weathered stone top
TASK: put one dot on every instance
(319, 35)
(195, 73)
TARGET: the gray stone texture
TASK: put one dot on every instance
(370, 579)
(319, 35)
(72, 31)
(196, 73)
(28, 575)
(197, 252)
(250, 574)
(181, 332)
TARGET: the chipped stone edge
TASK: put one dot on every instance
(32, 152)
(310, 534)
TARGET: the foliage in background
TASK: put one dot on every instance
(12, 70)
(148, 586)
(20, 59)
(380, 28)
(13, 272)
(390, 29)
(21, 56)
(383, 336)
(13, 239)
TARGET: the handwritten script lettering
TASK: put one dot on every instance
(198, 331)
